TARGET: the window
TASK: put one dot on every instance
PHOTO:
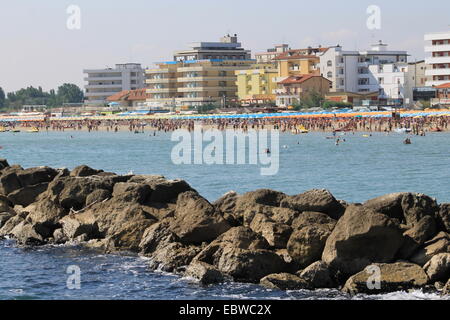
(381, 80)
(330, 74)
(330, 63)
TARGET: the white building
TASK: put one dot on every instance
(102, 83)
(438, 46)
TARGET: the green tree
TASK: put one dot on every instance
(313, 99)
(2, 98)
(69, 93)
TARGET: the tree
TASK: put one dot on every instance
(69, 93)
(313, 99)
(2, 98)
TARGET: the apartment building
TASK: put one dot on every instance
(349, 70)
(271, 54)
(227, 49)
(438, 47)
(102, 83)
(194, 82)
(257, 82)
(298, 62)
(293, 89)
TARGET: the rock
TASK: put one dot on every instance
(59, 237)
(164, 191)
(262, 196)
(72, 192)
(309, 218)
(196, 220)
(74, 226)
(276, 234)
(4, 217)
(249, 265)
(206, 274)
(132, 192)
(3, 164)
(393, 277)
(438, 268)
(283, 281)
(84, 171)
(45, 212)
(10, 224)
(158, 234)
(97, 196)
(424, 230)
(227, 203)
(315, 200)
(317, 276)
(390, 205)
(9, 182)
(416, 206)
(446, 289)
(173, 256)
(361, 237)
(439, 244)
(306, 245)
(284, 215)
(36, 176)
(6, 205)
(27, 195)
(443, 217)
(28, 234)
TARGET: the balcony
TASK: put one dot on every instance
(163, 80)
(437, 60)
(209, 89)
(438, 48)
(104, 86)
(437, 72)
(100, 94)
(437, 36)
(201, 79)
(156, 71)
(161, 90)
(88, 79)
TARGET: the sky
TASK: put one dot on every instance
(37, 48)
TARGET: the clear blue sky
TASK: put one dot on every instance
(37, 48)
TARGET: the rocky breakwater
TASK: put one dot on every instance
(307, 241)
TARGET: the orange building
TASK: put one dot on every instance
(294, 88)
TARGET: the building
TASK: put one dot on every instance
(204, 74)
(442, 95)
(349, 70)
(194, 82)
(102, 83)
(438, 46)
(130, 98)
(257, 82)
(298, 62)
(227, 49)
(270, 54)
(356, 99)
(293, 89)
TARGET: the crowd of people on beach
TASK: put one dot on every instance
(416, 125)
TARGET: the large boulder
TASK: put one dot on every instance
(276, 234)
(390, 205)
(315, 200)
(84, 171)
(3, 164)
(4, 217)
(439, 244)
(254, 202)
(204, 273)
(9, 182)
(36, 176)
(249, 265)
(132, 192)
(317, 276)
(10, 224)
(26, 233)
(196, 220)
(283, 281)
(309, 218)
(27, 195)
(438, 268)
(173, 257)
(443, 216)
(156, 235)
(361, 237)
(74, 226)
(163, 190)
(306, 245)
(416, 206)
(227, 203)
(382, 278)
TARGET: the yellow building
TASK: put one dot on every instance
(194, 82)
(299, 61)
(256, 82)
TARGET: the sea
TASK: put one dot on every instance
(364, 166)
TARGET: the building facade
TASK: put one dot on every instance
(130, 98)
(227, 49)
(438, 47)
(256, 82)
(271, 54)
(293, 89)
(102, 83)
(194, 82)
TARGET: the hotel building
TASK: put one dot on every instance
(438, 47)
(102, 83)
(257, 82)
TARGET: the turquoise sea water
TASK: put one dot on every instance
(356, 170)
